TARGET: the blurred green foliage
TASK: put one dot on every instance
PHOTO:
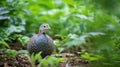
(93, 23)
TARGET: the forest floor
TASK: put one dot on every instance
(72, 60)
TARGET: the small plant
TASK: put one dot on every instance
(4, 44)
(35, 58)
(47, 61)
(51, 61)
(11, 53)
(91, 57)
(23, 40)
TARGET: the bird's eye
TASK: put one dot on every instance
(44, 26)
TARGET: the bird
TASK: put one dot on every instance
(41, 42)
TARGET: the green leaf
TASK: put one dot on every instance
(91, 57)
(70, 2)
(11, 53)
(23, 40)
(4, 44)
(23, 51)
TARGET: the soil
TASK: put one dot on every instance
(21, 60)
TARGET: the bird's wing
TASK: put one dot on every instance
(50, 41)
(31, 44)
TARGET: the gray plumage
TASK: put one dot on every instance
(41, 43)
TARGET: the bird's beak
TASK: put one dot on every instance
(47, 27)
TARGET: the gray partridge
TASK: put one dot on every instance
(41, 42)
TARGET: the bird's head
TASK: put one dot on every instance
(44, 28)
